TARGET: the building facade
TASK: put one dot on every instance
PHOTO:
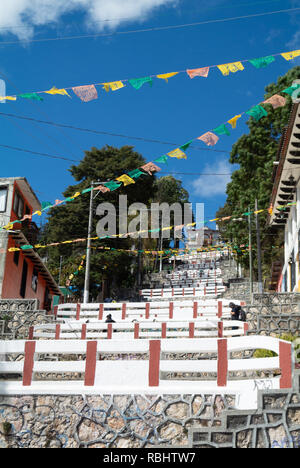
(285, 201)
(23, 275)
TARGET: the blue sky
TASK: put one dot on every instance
(176, 111)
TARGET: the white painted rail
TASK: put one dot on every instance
(197, 291)
(147, 372)
(139, 330)
(160, 310)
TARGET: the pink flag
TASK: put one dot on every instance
(276, 101)
(198, 72)
(26, 217)
(150, 167)
(209, 138)
(86, 93)
(102, 188)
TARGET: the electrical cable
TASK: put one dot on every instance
(152, 29)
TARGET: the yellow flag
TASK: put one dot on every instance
(125, 179)
(54, 90)
(76, 194)
(291, 55)
(166, 76)
(8, 98)
(14, 249)
(230, 67)
(177, 153)
(233, 121)
(37, 213)
(8, 226)
(113, 85)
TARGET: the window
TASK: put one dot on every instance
(24, 279)
(34, 280)
(285, 282)
(16, 257)
(3, 199)
(18, 205)
(292, 271)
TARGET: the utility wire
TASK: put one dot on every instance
(41, 113)
(110, 20)
(99, 132)
(152, 29)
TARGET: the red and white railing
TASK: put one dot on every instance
(139, 330)
(197, 291)
(145, 369)
(159, 311)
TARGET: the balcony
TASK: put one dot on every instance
(30, 231)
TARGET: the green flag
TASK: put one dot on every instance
(112, 185)
(186, 145)
(162, 159)
(45, 205)
(262, 62)
(291, 89)
(137, 83)
(87, 190)
(221, 130)
(34, 96)
(257, 112)
(135, 173)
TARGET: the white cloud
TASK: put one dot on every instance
(209, 186)
(20, 17)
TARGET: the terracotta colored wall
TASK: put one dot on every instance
(13, 273)
(13, 215)
(13, 277)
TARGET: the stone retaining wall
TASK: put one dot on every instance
(16, 316)
(137, 421)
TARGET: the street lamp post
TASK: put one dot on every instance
(86, 292)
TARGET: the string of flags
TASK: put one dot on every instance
(210, 138)
(136, 233)
(234, 249)
(87, 93)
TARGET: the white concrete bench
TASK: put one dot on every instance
(92, 374)
(200, 328)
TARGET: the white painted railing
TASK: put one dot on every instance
(199, 291)
(200, 328)
(210, 275)
(159, 311)
(146, 368)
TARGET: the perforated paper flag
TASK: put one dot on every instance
(291, 55)
(166, 76)
(125, 179)
(86, 93)
(209, 138)
(177, 153)
(198, 72)
(113, 85)
(230, 68)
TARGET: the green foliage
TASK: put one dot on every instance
(255, 153)
(263, 353)
(70, 220)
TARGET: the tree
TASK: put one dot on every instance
(70, 221)
(255, 153)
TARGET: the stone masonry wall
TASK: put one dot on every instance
(137, 421)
